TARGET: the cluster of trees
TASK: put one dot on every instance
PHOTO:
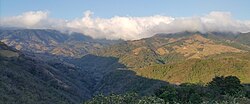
(128, 98)
(219, 90)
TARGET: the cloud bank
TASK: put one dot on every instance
(128, 28)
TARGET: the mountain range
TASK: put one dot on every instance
(185, 57)
(73, 67)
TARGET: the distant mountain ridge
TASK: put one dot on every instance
(52, 41)
(178, 46)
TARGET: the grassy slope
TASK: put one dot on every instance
(201, 70)
(142, 56)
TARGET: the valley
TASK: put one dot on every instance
(75, 67)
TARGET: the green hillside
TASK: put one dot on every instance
(140, 66)
(24, 80)
(201, 70)
(29, 79)
(184, 57)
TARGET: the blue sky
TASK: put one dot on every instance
(70, 9)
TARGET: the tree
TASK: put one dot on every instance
(227, 85)
(185, 93)
(167, 93)
(190, 93)
(217, 84)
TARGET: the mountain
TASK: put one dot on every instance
(28, 79)
(51, 41)
(110, 76)
(243, 38)
(47, 66)
(185, 57)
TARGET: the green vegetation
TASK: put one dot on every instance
(24, 80)
(128, 98)
(186, 60)
(201, 70)
(229, 85)
(21, 82)
(184, 57)
(221, 90)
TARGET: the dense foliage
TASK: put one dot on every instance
(128, 98)
(227, 85)
(225, 90)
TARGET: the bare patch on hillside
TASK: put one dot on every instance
(138, 50)
(197, 47)
(162, 51)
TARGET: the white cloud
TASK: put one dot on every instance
(129, 28)
(28, 19)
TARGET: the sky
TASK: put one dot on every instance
(69, 9)
(133, 19)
